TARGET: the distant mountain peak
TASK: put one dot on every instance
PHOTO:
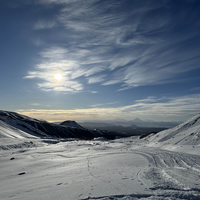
(72, 124)
(20, 126)
(137, 120)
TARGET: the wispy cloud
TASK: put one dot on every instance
(94, 92)
(39, 105)
(111, 43)
(70, 65)
(180, 108)
(96, 79)
(166, 107)
(44, 25)
(103, 104)
(35, 104)
(196, 88)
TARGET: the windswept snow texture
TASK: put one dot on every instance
(151, 168)
(187, 133)
(7, 131)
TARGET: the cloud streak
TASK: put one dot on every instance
(44, 25)
(126, 43)
(168, 109)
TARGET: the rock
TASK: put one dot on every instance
(22, 173)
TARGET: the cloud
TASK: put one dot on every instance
(35, 104)
(161, 109)
(96, 79)
(53, 61)
(71, 65)
(44, 25)
(102, 104)
(128, 43)
(94, 92)
(195, 88)
(120, 61)
(165, 106)
(155, 66)
(48, 2)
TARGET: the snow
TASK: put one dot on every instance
(9, 131)
(187, 133)
(160, 166)
(41, 128)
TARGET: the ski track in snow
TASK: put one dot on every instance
(175, 173)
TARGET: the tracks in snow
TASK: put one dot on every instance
(173, 172)
(169, 175)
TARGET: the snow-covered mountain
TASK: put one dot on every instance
(8, 131)
(41, 128)
(47, 167)
(187, 133)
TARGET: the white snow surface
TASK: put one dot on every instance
(29, 130)
(161, 166)
(8, 131)
(187, 133)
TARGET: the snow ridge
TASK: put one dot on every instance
(8, 131)
(187, 133)
(41, 128)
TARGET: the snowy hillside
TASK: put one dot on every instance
(41, 128)
(7, 131)
(187, 133)
(122, 169)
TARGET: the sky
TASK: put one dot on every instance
(114, 59)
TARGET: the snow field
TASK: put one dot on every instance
(96, 169)
(163, 166)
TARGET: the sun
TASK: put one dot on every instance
(58, 76)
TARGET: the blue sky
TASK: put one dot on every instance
(118, 59)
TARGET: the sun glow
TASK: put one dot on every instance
(58, 77)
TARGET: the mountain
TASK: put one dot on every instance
(187, 133)
(141, 123)
(138, 120)
(40, 128)
(8, 131)
(71, 124)
(35, 164)
(93, 125)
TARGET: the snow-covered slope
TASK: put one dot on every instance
(41, 128)
(126, 168)
(72, 124)
(22, 122)
(187, 133)
(7, 131)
